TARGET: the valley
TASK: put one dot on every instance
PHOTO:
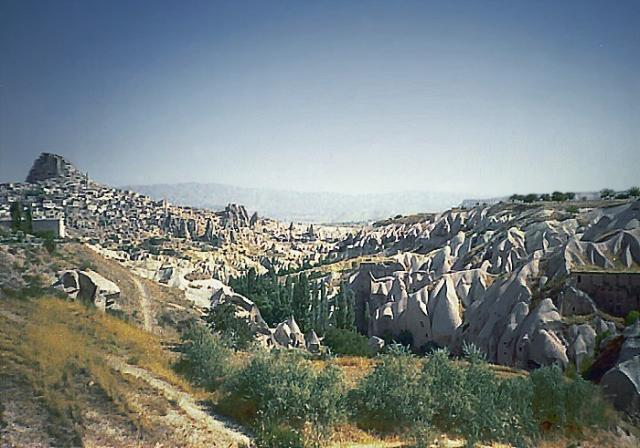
(136, 322)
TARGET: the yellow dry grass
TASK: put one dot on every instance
(60, 331)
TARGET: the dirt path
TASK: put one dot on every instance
(144, 303)
(198, 422)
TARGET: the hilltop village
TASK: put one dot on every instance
(219, 243)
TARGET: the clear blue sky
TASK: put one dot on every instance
(352, 96)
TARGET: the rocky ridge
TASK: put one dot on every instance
(499, 277)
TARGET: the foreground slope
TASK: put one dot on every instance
(98, 381)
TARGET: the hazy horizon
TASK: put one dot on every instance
(479, 99)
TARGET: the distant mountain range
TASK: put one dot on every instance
(301, 206)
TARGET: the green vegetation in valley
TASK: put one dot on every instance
(298, 296)
(291, 402)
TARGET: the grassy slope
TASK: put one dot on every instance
(62, 352)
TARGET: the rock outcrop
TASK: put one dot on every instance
(622, 385)
(49, 166)
(499, 277)
(89, 287)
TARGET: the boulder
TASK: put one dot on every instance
(375, 344)
(96, 289)
(89, 287)
(622, 385)
(313, 342)
(572, 302)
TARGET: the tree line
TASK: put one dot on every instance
(557, 196)
(608, 193)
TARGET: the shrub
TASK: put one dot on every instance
(49, 244)
(204, 356)
(472, 402)
(390, 396)
(564, 405)
(236, 330)
(347, 342)
(473, 353)
(632, 317)
(291, 400)
(442, 396)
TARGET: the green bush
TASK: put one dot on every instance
(347, 342)
(442, 396)
(563, 405)
(290, 398)
(205, 357)
(632, 317)
(471, 402)
(390, 396)
(236, 331)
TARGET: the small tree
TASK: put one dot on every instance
(204, 356)
(49, 242)
(323, 315)
(27, 225)
(516, 197)
(16, 216)
(634, 192)
(607, 193)
(223, 320)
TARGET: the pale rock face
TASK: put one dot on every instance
(445, 313)
(540, 331)
(622, 385)
(89, 287)
(572, 302)
(546, 348)
(488, 275)
(582, 343)
(415, 318)
(507, 342)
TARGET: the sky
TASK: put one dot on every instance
(477, 97)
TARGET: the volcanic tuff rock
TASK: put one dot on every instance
(622, 385)
(89, 287)
(499, 277)
(49, 166)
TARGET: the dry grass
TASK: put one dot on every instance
(349, 435)
(60, 331)
(63, 350)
